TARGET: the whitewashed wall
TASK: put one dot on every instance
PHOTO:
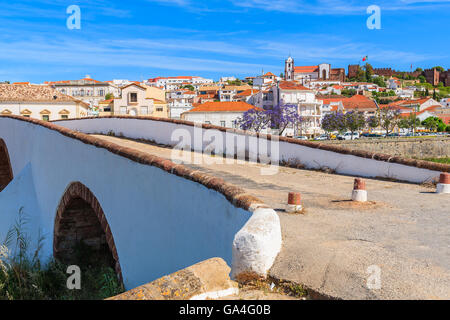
(168, 133)
(161, 223)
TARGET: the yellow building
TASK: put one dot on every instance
(155, 93)
(160, 107)
(161, 110)
(106, 107)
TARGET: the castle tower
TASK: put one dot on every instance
(289, 69)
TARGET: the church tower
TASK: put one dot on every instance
(289, 69)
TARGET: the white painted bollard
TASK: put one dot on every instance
(359, 191)
(444, 183)
(294, 203)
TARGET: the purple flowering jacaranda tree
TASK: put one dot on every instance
(283, 116)
(254, 119)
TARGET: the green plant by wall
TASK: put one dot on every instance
(23, 276)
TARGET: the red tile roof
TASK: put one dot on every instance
(247, 93)
(223, 107)
(291, 85)
(33, 93)
(356, 102)
(445, 119)
(307, 69)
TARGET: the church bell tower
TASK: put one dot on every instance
(289, 69)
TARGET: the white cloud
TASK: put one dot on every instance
(337, 7)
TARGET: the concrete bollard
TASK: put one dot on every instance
(294, 202)
(359, 191)
(444, 183)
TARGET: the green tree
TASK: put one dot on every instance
(109, 96)
(388, 118)
(439, 68)
(189, 87)
(369, 71)
(431, 123)
(410, 123)
(236, 82)
(348, 92)
(380, 81)
(354, 121)
(373, 122)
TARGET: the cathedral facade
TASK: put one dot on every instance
(306, 74)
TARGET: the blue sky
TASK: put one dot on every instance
(142, 39)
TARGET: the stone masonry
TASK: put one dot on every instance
(416, 148)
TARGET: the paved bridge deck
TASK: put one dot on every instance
(405, 230)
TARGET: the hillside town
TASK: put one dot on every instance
(305, 98)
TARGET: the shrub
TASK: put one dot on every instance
(24, 277)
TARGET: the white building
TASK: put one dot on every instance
(405, 93)
(40, 102)
(445, 102)
(226, 79)
(228, 93)
(309, 108)
(224, 114)
(265, 81)
(88, 90)
(173, 83)
(121, 82)
(180, 101)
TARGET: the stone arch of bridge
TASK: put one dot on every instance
(6, 173)
(80, 219)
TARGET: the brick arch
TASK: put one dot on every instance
(92, 226)
(6, 173)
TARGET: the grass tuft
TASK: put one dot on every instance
(23, 276)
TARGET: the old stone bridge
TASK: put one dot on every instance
(116, 184)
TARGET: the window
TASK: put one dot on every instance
(46, 117)
(207, 122)
(123, 110)
(223, 124)
(64, 116)
(160, 109)
(133, 97)
(101, 93)
(144, 110)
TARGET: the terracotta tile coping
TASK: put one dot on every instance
(441, 167)
(237, 196)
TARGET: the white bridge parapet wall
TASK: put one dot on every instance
(161, 222)
(170, 133)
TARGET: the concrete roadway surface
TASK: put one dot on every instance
(398, 243)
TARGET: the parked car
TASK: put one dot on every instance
(349, 136)
(322, 137)
(301, 138)
(395, 135)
